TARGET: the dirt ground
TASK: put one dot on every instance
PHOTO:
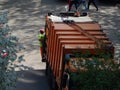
(26, 17)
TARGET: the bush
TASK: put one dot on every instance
(8, 55)
(96, 80)
(99, 74)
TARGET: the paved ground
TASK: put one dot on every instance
(108, 17)
(32, 80)
(26, 17)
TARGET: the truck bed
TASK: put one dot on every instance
(83, 34)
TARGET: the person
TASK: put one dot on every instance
(94, 3)
(73, 2)
(42, 43)
(84, 3)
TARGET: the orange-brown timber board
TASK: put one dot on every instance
(54, 49)
(93, 29)
(89, 26)
(77, 42)
(98, 34)
(56, 42)
(79, 48)
(68, 34)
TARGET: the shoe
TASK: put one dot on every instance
(97, 9)
(77, 14)
(44, 59)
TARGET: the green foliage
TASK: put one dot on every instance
(7, 55)
(96, 80)
(100, 73)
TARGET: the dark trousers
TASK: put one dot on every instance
(76, 3)
(93, 2)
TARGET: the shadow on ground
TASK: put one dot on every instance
(26, 17)
(32, 80)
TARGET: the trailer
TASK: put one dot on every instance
(65, 35)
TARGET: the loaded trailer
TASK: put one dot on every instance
(66, 35)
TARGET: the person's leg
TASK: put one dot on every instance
(41, 51)
(76, 3)
(94, 3)
(70, 5)
(84, 4)
(43, 54)
(89, 2)
(77, 13)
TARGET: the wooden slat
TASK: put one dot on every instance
(65, 38)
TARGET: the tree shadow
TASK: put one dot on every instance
(32, 80)
(109, 2)
(26, 17)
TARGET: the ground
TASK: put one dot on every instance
(26, 17)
